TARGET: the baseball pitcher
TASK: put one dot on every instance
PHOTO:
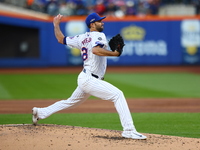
(94, 48)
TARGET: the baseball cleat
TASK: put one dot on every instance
(35, 117)
(133, 135)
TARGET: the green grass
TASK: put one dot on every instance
(134, 85)
(175, 124)
(37, 86)
(152, 85)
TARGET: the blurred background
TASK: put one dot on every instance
(109, 7)
(156, 32)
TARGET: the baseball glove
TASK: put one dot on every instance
(117, 43)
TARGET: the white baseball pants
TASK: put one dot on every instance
(89, 85)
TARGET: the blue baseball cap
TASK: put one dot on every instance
(93, 17)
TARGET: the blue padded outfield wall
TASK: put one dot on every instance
(148, 42)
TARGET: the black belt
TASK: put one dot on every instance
(94, 75)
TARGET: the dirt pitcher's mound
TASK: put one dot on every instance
(59, 137)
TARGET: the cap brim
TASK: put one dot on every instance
(101, 18)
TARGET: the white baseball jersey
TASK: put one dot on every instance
(90, 85)
(85, 42)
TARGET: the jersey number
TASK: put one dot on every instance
(84, 55)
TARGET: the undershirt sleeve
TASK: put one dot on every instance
(64, 40)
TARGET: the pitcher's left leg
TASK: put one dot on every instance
(76, 99)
